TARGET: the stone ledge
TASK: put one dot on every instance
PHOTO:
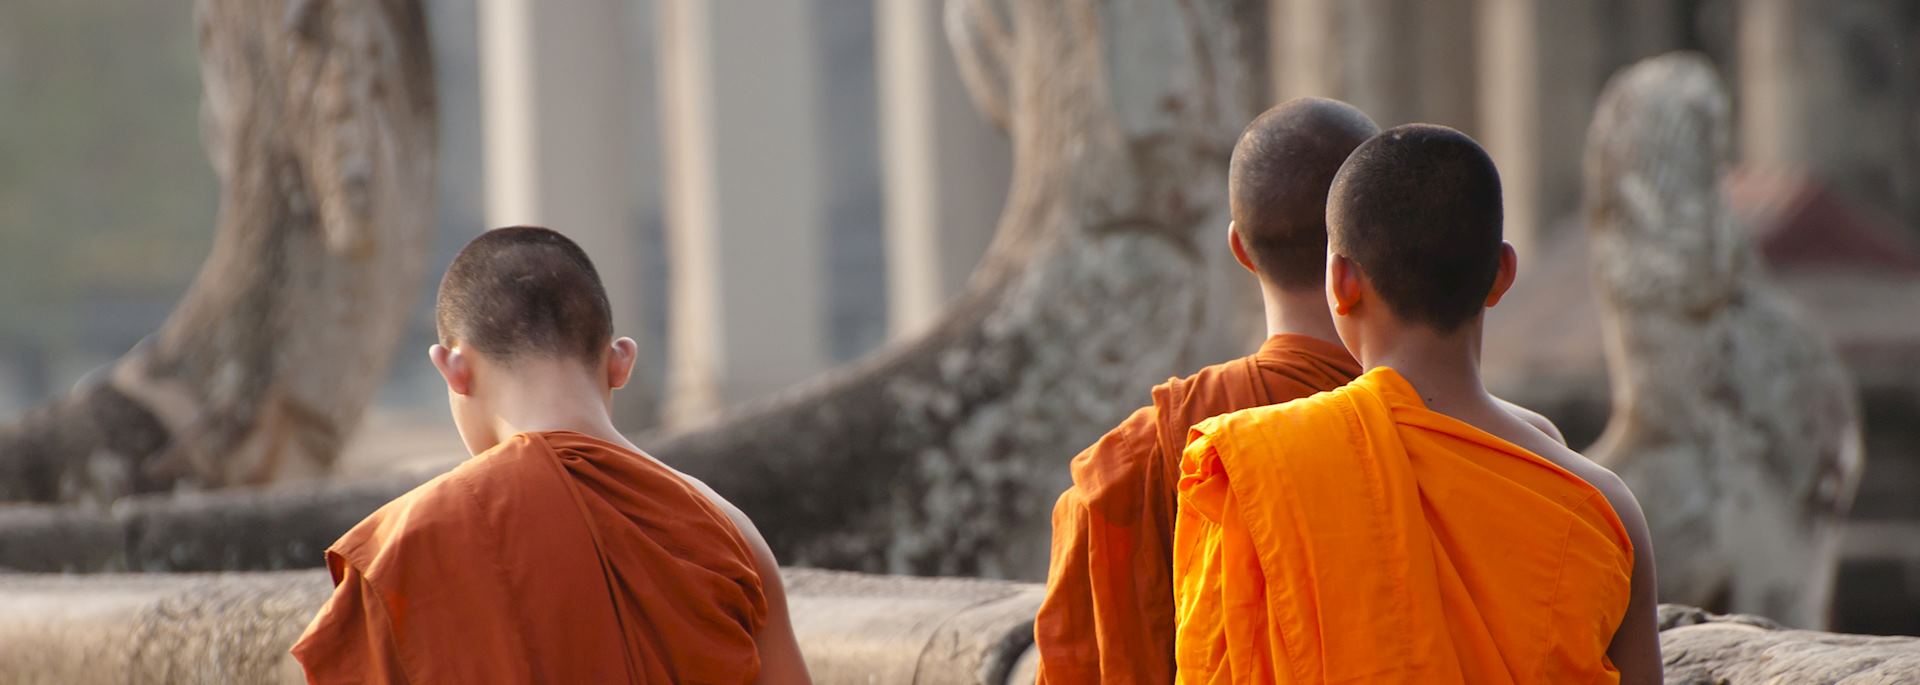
(1702, 647)
(854, 628)
(236, 627)
(225, 628)
(223, 530)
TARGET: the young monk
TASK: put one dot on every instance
(1108, 613)
(1408, 527)
(560, 553)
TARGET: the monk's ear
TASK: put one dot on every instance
(1344, 289)
(1503, 279)
(1239, 249)
(454, 366)
(621, 357)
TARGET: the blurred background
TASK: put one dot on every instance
(775, 189)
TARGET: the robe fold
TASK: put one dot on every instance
(1357, 537)
(1108, 613)
(553, 557)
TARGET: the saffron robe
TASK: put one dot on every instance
(1108, 612)
(553, 557)
(1356, 536)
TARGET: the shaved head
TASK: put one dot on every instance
(1277, 185)
(1418, 210)
(524, 291)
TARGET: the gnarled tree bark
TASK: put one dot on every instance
(1733, 420)
(319, 118)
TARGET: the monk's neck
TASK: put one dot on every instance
(1444, 368)
(1298, 311)
(535, 399)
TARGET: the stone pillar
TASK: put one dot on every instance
(1772, 116)
(1445, 65)
(946, 168)
(1539, 75)
(1397, 60)
(1343, 49)
(558, 95)
(745, 222)
(1831, 87)
(559, 131)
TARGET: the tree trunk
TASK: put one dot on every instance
(1733, 420)
(318, 117)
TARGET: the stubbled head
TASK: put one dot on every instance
(1277, 186)
(1414, 224)
(517, 301)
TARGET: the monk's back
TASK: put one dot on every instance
(1385, 542)
(1108, 615)
(1287, 367)
(556, 557)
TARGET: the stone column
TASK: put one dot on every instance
(1831, 87)
(559, 131)
(1343, 49)
(1445, 64)
(1397, 60)
(946, 168)
(1773, 112)
(559, 118)
(741, 131)
(1539, 75)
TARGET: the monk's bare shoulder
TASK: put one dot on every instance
(1601, 478)
(739, 518)
(781, 662)
(758, 544)
(1618, 495)
(1625, 506)
(1516, 428)
(1534, 419)
(762, 552)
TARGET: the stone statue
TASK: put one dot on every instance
(1733, 419)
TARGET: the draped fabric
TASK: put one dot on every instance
(553, 557)
(1108, 613)
(1356, 536)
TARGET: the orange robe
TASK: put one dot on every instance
(1108, 613)
(553, 557)
(1357, 537)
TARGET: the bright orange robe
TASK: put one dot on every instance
(1108, 613)
(553, 557)
(1357, 537)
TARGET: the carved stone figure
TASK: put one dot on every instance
(1733, 420)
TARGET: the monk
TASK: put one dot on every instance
(1408, 527)
(1108, 613)
(560, 553)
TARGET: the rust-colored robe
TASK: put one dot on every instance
(553, 557)
(1357, 537)
(1108, 614)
